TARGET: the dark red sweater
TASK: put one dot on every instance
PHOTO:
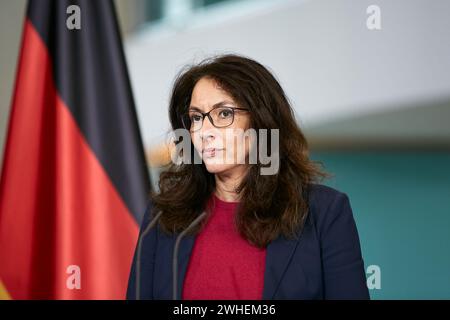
(222, 264)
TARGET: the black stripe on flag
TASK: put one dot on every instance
(90, 75)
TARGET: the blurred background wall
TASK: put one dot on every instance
(374, 104)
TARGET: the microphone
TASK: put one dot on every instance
(175, 253)
(139, 249)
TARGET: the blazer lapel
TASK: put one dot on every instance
(184, 253)
(163, 275)
(278, 256)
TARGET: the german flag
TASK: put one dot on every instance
(74, 182)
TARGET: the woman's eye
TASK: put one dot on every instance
(225, 113)
(196, 118)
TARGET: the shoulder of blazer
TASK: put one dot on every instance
(325, 205)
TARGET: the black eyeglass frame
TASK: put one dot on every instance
(207, 114)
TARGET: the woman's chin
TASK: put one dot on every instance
(215, 167)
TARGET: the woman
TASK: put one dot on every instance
(220, 229)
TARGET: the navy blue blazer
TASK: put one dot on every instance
(324, 262)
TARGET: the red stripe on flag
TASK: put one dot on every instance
(58, 207)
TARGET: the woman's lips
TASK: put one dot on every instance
(210, 152)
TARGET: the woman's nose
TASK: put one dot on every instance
(207, 124)
(208, 130)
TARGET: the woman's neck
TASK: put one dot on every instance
(227, 184)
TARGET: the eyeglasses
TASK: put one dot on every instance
(219, 117)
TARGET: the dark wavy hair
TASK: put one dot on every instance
(269, 205)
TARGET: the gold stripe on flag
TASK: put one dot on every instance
(3, 293)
